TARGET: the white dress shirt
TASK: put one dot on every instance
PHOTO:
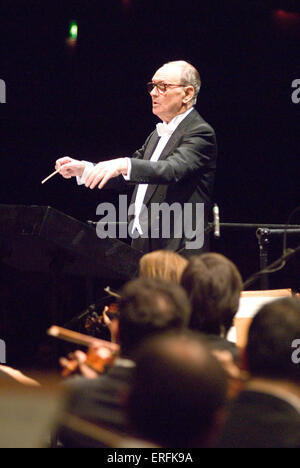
(164, 131)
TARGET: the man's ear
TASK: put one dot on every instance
(189, 94)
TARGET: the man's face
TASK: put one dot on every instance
(166, 105)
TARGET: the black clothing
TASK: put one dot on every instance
(261, 420)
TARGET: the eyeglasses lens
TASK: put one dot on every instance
(161, 87)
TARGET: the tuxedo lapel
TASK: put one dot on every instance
(175, 137)
(170, 146)
(147, 155)
(172, 143)
(151, 146)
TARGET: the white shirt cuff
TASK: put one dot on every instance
(88, 167)
(127, 176)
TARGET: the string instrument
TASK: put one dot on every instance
(100, 355)
(97, 320)
(96, 323)
(111, 292)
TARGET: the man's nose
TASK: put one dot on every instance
(154, 91)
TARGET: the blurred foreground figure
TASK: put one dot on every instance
(213, 284)
(266, 414)
(8, 374)
(147, 307)
(178, 395)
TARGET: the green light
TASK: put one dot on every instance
(73, 31)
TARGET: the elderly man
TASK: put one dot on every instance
(173, 171)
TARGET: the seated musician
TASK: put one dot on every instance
(213, 284)
(147, 306)
(162, 264)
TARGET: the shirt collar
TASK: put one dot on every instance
(164, 128)
(173, 124)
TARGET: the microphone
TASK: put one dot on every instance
(216, 221)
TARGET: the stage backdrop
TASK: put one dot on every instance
(87, 98)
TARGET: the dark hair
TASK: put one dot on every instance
(177, 390)
(213, 284)
(147, 306)
(271, 334)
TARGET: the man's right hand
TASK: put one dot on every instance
(69, 167)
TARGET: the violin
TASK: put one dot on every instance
(96, 324)
(101, 353)
(98, 316)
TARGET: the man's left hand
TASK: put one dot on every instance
(106, 170)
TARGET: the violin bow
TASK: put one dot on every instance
(80, 338)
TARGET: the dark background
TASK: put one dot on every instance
(90, 102)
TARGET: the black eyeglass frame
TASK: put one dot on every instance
(162, 87)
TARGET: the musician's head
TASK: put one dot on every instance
(213, 284)
(149, 306)
(273, 346)
(178, 394)
(173, 89)
(162, 264)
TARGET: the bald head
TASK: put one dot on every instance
(188, 75)
(174, 89)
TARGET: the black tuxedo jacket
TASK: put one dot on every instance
(261, 420)
(100, 401)
(183, 174)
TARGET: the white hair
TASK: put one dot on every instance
(189, 76)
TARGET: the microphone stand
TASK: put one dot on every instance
(263, 232)
(263, 242)
(273, 267)
(263, 235)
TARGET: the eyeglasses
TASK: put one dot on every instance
(161, 86)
